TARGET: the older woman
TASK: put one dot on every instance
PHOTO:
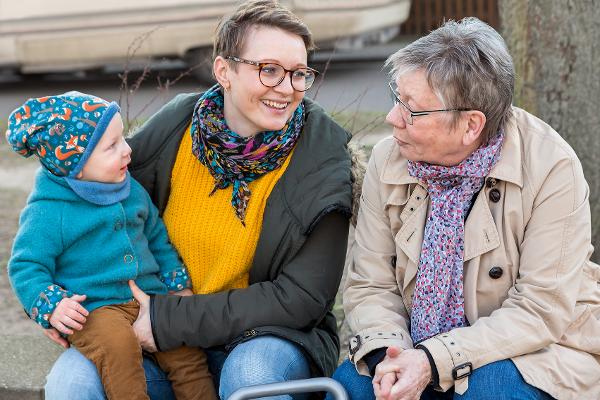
(471, 272)
(254, 184)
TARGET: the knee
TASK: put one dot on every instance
(500, 379)
(73, 377)
(119, 345)
(359, 387)
(266, 359)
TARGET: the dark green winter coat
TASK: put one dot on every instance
(300, 253)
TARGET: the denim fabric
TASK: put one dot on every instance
(500, 380)
(264, 359)
(75, 377)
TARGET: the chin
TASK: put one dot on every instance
(274, 122)
(274, 125)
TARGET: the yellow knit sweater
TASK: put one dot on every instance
(214, 245)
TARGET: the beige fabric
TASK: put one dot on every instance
(543, 312)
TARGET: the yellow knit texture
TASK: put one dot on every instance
(214, 245)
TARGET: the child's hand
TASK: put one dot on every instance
(69, 314)
(184, 292)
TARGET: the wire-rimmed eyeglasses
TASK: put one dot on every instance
(409, 114)
(272, 74)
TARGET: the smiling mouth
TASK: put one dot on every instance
(275, 104)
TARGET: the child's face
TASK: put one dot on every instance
(108, 162)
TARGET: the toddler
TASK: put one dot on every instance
(88, 228)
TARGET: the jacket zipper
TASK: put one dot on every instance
(252, 333)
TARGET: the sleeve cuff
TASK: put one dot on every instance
(435, 378)
(176, 280)
(374, 358)
(152, 323)
(46, 303)
(451, 361)
(367, 341)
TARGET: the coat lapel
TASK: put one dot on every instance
(481, 234)
(410, 237)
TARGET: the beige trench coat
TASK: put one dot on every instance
(531, 293)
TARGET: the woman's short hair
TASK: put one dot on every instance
(232, 29)
(467, 65)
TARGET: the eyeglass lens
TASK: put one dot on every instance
(272, 75)
(406, 113)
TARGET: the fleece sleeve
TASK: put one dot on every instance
(32, 264)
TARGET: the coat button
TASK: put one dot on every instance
(118, 225)
(495, 195)
(128, 258)
(491, 182)
(495, 272)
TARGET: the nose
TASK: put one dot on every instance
(395, 117)
(126, 150)
(286, 84)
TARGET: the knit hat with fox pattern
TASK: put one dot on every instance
(61, 130)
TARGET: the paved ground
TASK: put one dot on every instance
(16, 180)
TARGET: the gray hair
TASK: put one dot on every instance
(467, 65)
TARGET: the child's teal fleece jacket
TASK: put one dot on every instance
(89, 249)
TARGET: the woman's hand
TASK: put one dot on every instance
(54, 335)
(142, 325)
(402, 375)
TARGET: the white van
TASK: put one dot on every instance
(64, 35)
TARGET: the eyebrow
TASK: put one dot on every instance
(404, 96)
(271, 60)
(408, 97)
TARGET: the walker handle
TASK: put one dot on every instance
(290, 387)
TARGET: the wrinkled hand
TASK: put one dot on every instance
(142, 325)
(53, 335)
(184, 292)
(69, 315)
(402, 375)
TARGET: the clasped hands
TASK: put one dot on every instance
(402, 375)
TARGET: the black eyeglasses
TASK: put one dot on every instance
(409, 114)
(272, 74)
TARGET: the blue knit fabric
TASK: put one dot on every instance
(101, 193)
(89, 249)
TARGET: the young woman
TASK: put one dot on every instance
(253, 181)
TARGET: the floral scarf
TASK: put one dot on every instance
(438, 301)
(233, 159)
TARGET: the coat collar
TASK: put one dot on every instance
(481, 234)
(508, 167)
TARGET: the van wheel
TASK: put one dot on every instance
(199, 61)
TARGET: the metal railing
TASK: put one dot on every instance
(292, 387)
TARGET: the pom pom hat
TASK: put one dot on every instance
(61, 130)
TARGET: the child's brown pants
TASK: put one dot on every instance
(108, 340)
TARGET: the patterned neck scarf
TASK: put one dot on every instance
(438, 302)
(233, 159)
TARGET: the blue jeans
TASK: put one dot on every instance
(499, 380)
(264, 359)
